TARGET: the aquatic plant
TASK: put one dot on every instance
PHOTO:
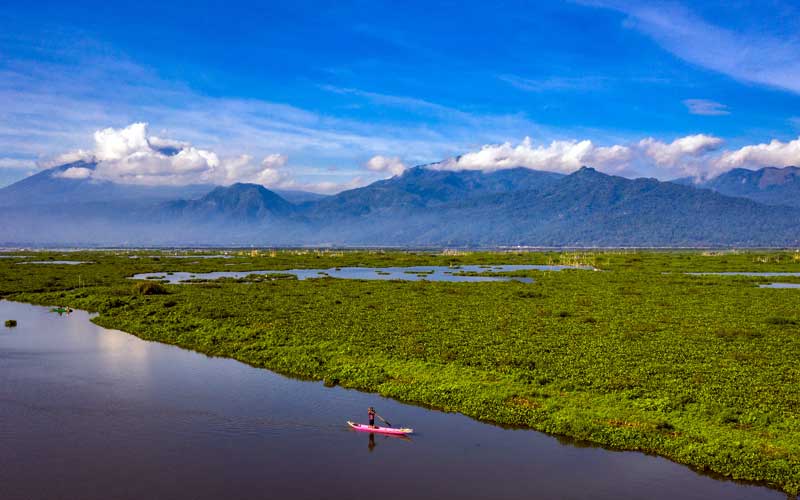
(149, 288)
(10, 323)
(700, 369)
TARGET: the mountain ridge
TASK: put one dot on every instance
(422, 207)
(768, 185)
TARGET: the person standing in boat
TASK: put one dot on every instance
(371, 415)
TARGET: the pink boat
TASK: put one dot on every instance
(379, 430)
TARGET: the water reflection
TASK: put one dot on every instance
(386, 437)
(93, 413)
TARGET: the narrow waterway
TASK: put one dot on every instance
(91, 413)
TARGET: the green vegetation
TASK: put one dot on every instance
(10, 323)
(700, 369)
(149, 288)
(250, 278)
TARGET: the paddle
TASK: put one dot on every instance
(384, 420)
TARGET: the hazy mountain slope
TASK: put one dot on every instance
(238, 203)
(770, 185)
(296, 197)
(420, 207)
(421, 187)
(49, 188)
(587, 208)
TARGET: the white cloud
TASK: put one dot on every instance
(75, 173)
(688, 155)
(558, 156)
(386, 164)
(705, 107)
(754, 55)
(674, 153)
(327, 187)
(116, 144)
(271, 171)
(31, 91)
(68, 157)
(129, 156)
(773, 154)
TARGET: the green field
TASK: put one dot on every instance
(704, 370)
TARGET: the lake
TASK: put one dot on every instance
(417, 273)
(92, 413)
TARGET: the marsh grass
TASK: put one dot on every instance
(149, 288)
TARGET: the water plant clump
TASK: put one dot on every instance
(150, 288)
(10, 323)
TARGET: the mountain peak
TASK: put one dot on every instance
(586, 171)
(588, 174)
(240, 200)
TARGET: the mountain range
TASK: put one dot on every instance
(770, 186)
(422, 207)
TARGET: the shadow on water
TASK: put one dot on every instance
(91, 413)
(371, 444)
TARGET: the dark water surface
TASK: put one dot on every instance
(415, 273)
(90, 413)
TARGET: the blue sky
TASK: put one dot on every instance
(327, 95)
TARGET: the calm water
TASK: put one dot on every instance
(64, 262)
(742, 273)
(204, 256)
(428, 273)
(780, 285)
(92, 413)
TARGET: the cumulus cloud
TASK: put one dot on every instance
(68, 157)
(130, 156)
(558, 156)
(683, 156)
(75, 173)
(673, 153)
(117, 144)
(773, 154)
(386, 164)
(706, 107)
(271, 171)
